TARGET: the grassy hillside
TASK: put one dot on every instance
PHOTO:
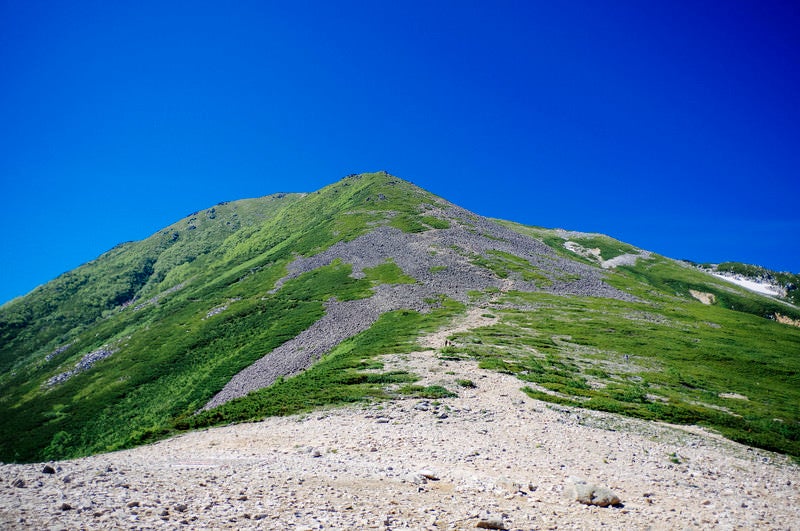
(129, 274)
(670, 360)
(127, 348)
(654, 275)
(181, 312)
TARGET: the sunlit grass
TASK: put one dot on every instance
(677, 362)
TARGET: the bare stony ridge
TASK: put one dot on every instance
(491, 458)
(440, 261)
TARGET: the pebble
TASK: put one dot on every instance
(428, 474)
(491, 523)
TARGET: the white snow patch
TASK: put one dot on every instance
(765, 288)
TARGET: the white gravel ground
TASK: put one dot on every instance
(491, 456)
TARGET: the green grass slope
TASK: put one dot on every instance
(672, 360)
(726, 365)
(181, 312)
(54, 314)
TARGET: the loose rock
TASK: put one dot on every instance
(590, 494)
(491, 523)
(428, 474)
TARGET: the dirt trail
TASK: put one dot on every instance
(474, 318)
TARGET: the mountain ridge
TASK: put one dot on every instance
(138, 343)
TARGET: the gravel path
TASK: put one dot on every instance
(490, 456)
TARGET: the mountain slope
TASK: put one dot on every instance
(132, 272)
(274, 305)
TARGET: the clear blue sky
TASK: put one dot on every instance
(674, 126)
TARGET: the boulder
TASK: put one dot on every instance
(591, 494)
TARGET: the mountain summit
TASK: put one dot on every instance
(288, 302)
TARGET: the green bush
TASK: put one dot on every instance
(431, 391)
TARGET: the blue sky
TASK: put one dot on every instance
(674, 126)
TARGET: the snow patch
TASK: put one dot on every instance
(763, 287)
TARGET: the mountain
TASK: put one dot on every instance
(280, 304)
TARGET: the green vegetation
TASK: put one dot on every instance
(675, 361)
(162, 374)
(185, 310)
(659, 276)
(503, 264)
(340, 376)
(431, 391)
(609, 247)
(408, 223)
(435, 223)
(388, 273)
(412, 222)
(738, 268)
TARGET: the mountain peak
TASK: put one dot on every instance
(276, 304)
